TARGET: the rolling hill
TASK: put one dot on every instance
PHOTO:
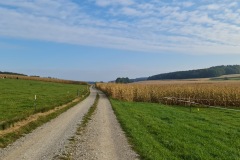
(215, 71)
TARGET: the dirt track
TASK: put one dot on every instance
(103, 138)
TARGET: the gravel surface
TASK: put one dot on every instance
(102, 139)
(49, 140)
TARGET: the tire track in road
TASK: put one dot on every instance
(103, 138)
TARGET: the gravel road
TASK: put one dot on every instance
(102, 139)
(50, 139)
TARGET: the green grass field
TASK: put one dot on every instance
(17, 97)
(167, 132)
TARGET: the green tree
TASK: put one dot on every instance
(122, 80)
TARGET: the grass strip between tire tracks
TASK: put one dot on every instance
(11, 137)
(88, 115)
(80, 129)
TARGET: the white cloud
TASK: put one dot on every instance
(213, 7)
(187, 4)
(123, 24)
(104, 3)
(130, 11)
(233, 4)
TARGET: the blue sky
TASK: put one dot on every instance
(100, 40)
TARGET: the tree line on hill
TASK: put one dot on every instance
(215, 71)
(12, 73)
(122, 80)
(127, 80)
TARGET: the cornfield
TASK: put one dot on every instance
(212, 94)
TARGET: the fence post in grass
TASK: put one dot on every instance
(78, 92)
(35, 104)
(189, 102)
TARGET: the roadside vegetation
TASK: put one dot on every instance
(9, 138)
(160, 124)
(17, 98)
(17, 102)
(158, 131)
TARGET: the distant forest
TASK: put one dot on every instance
(127, 80)
(122, 80)
(199, 73)
(11, 73)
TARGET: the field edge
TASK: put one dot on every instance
(9, 138)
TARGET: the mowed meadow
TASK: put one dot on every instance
(161, 127)
(163, 132)
(17, 98)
